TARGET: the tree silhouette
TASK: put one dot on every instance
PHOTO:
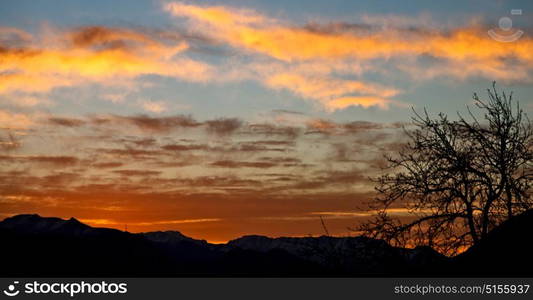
(457, 179)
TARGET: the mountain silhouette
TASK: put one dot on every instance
(360, 254)
(38, 246)
(35, 224)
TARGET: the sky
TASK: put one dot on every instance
(226, 118)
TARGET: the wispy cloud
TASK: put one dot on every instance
(326, 63)
(331, 92)
(10, 120)
(154, 106)
(307, 60)
(95, 54)
(284, 41)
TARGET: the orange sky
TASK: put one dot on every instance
(216, 179)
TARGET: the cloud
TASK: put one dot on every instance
(181, 221)
(242, 164)
(258, 147)
(281, 160)
(9, 142)
(285, 41)
(328, 90)
(114, 97)
(154, 106)
(344, 102)
(108, 222)
(180, 147)
(154, 124)
(219, 182)
(400, 212)
(269, 129)
(17, 80)
(324, 126)
(503, 70)
(42, 159)
(105, 165)
(223, 126)
(267, 136)
(321, 126)
(247, 29)
(142, 142)
(324, 88)
(67, 122)
(24, 100)
(10, 120)
(359, 126)
(307, 60)
(95, 54)
(167, 124)
(138, 154)
(14, 36)
(103, 38)
(216, 15)
(326, 63)
(175, 160)
(140, 173)
(274, 143)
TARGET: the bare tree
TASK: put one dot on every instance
(457, 179)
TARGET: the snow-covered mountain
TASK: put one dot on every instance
(34, 245)
(35, 224)
(348, 253)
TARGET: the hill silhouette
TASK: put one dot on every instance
(37, 246)
(506, 251)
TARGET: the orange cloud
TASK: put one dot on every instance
(31, 82)
(310, 58)
(9, 120)
(216, 15)
(154, 106)
(95, 54)
(11, 34)
(465, 52)
(107, 222)
(327, 90)
(286, 42)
